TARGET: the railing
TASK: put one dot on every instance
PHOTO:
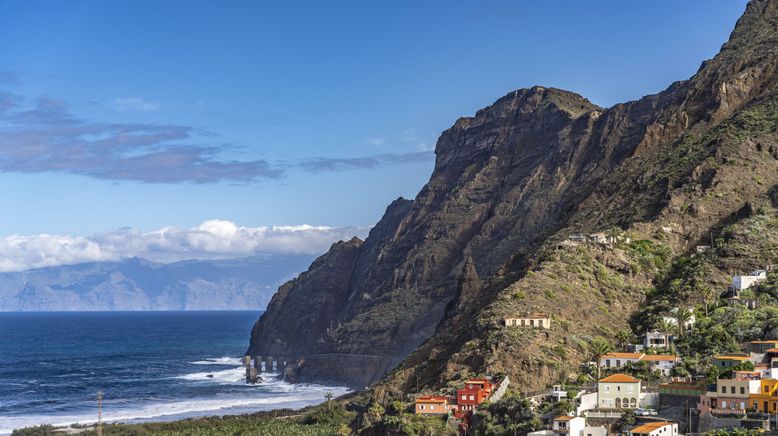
(591, 414)
(718, 411)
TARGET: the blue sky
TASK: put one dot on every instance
(147, 114)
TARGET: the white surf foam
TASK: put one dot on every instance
(218, 361)
(282, 395)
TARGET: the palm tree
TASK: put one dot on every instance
(681, 315)
(622, 338)
(599, 347)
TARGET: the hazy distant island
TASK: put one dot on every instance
(140, 284)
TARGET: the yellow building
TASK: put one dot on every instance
(767, 399)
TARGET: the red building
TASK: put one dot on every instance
(475, 392)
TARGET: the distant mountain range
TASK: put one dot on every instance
(139, 284)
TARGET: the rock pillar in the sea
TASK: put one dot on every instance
(251, 375)
(269, 364)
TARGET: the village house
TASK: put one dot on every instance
(661, 428)
(766, 401)
(534, 319)
(740, 283)
(731, 395)
(619, 391)
(433, 405)
(674, 322)
(762, 347)
(618, 360)
(595, 430)
(569, 425)
(475, 392)
(664, 363)
(656, 339)
(726, 361)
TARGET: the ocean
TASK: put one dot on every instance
(150, 366)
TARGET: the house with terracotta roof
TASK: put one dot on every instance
(618, 391)
(433, 405)
(618, 360)
(726, 361)
(659, 428)
(659, 362)
(475, 392)
(762, 347)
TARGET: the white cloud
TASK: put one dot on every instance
(377, 142)
(135, 103)
(213, 239)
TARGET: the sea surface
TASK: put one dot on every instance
(151, 366)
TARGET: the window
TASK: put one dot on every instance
(618, 388)
(472, 397)
(618, 363)
(723, 389)
(742, 390)
(464, 397)
(732, 389)
(432, 407)
(421, 407)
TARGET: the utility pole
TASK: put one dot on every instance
(99, 413)
(329, 396)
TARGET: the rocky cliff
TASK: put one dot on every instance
(429, 285)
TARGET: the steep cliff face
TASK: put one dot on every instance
(522, 173)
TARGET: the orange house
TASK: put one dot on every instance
(766, 400)
(433, 405)
(475, 392)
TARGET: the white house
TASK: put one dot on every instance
(618, 360)
(656, 339)
(587, 401)
(663, 363)
(660, 428)
(591, 430)
(740, 283)
(569, 425)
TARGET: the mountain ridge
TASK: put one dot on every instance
(139, 284)
(519, 176)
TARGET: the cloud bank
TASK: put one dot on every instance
(213, 239)
(45, 136)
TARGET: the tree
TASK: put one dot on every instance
(599, 347)
(681, 315)
(623, 338)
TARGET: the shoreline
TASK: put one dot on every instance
(282, 404)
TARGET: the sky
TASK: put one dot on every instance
(291, 124)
